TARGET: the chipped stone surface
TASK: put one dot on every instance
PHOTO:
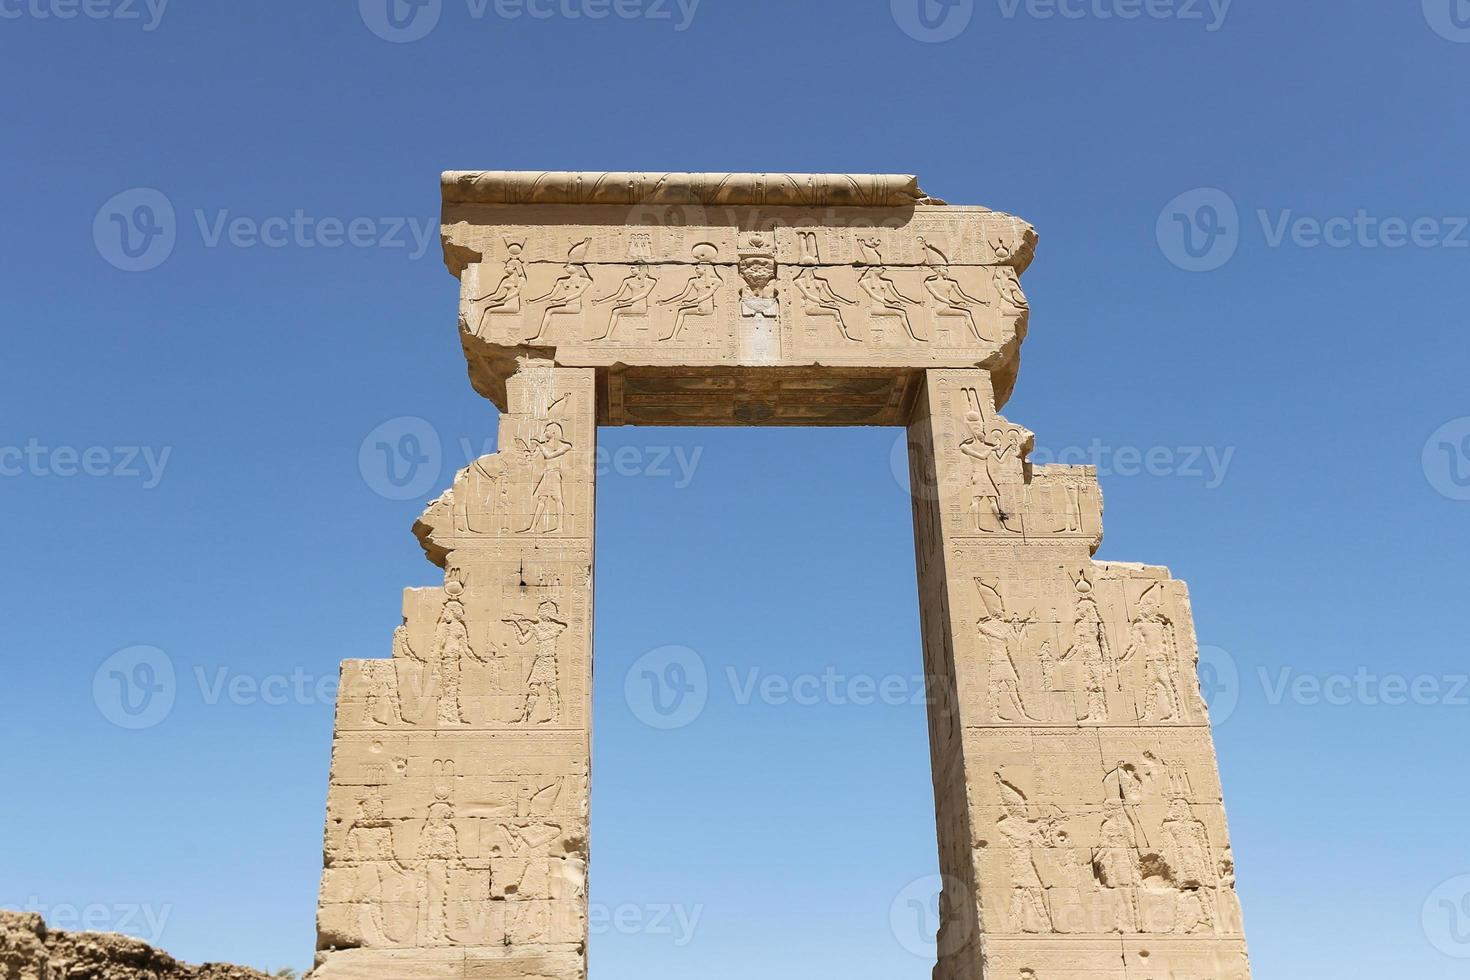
(31, 951)
(1082, 832)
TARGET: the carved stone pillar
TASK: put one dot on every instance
(1081, 830)
(456, 836)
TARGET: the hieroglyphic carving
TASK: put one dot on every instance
(458, 802)
(1085, 837)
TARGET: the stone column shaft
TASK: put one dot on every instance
(456, 838)
(1082, 834)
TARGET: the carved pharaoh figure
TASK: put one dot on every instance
(1025, 836)
(987, 453)
(542, 683)
(547, 495)
(369, 850)
(999, 634)
(1115, 866)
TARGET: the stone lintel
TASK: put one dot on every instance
(734, 299)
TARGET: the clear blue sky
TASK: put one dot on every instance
(1325, 540)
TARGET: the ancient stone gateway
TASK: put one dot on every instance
(1081, 830)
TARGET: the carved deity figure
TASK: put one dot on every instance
(631, 298)
(1229, 918)
(547, 495)
(437, 855)
(700, 294)
(1008, 284)
(1187, 846)
(506, 296)
(565, 295)
(947, 292)
(542, 684)
(818, 298)
(476, 488)
(1116, 866)
(888, 300)
(1091, 649)
(381, 704)
(1152, 634)
(451, 646)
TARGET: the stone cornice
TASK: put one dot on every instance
(567, 187)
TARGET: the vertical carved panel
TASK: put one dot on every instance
(1081, 826)
(456, 837)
